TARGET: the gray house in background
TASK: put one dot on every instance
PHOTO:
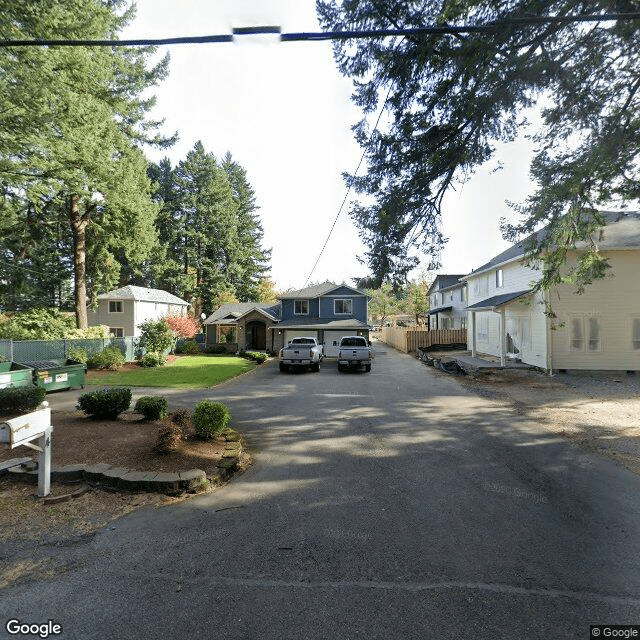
(447, 302)
(122, 310)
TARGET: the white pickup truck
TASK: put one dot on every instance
(355, 352)
(301, 352)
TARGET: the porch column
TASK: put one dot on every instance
(502, 337)
(473, 334)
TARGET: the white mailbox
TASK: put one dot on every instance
(22, 430)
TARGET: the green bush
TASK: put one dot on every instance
(190, 347)
(230, 337)
(79, 355)
(109, 358)
(153, 359)
(105, 403)
(156, 336)
(256, 356)
(215, 348)
(20, 399)
(152, 407)
(210, 418)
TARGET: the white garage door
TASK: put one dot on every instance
(289, 334)
(332, 341)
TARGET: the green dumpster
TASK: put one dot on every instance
(13, 374)
(53, 375)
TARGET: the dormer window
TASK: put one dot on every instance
(342, 306)
(115, 306)
(301, 307)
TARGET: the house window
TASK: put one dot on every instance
(301, 307)
(115, 306)
(584, 334)
(463, 294)
(342, 306)
(636, 333)
(463, 323)
(499, 279)
(483, 328)
(116, 332)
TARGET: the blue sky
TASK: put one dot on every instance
(284, 113)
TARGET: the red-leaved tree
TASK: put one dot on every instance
(183, 326)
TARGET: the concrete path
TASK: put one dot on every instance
(385, 505)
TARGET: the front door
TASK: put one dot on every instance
(256, 336)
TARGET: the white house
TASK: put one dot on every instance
(448, 302)
(122, 310)
(599, 329)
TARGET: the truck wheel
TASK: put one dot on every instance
(283, 367)
(315, 367)
(340, 369)
(367, 367)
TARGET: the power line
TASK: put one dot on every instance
(346, 195)
(324, 35)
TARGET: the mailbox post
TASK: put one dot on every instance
(23, 430)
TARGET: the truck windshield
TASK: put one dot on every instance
(303, 341)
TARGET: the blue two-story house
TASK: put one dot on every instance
(326, 311)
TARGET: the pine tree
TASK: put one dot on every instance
(450, 97)
(80, 114)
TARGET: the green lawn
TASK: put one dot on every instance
(187, 372)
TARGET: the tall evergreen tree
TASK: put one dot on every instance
(81, 116)
(450, 97)
(248, 262)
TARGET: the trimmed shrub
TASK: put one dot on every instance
(152, 407)
(105, 403)
(153, 359)
(109, 358)
(20, 399)
(169, 438)
(190, 347)
(79, 354)
(210, 418)
(181, 418)
(256, 356)
(216, 348)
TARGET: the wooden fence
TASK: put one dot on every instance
(408, 339)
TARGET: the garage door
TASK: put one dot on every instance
(289, 334)
(332, 341)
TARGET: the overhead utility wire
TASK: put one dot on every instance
(323, 35)
(346, 195)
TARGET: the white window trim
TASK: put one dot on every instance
(302, 313)
(116, 302)
(343, 313)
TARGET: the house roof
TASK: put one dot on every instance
(497, 301)
(439, 310)
(232, 311)
(323, 323)
(142, 294)
(622, 231)
(317, 290)
(445, 281)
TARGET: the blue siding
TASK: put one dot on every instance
(358, 306)
(287, 309)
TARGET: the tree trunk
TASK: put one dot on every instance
(79, 226)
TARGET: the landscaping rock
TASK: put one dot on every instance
(93, 473)
(68, 473)
(192, 479)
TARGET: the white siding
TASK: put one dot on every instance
(615, 303)
(525, 315)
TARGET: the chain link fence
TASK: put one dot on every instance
(33, 350)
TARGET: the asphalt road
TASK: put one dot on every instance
(393, 504)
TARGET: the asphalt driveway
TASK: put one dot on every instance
(393, 504)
